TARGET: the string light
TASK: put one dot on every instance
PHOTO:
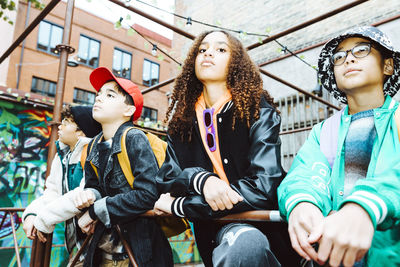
(154, 50)
(118, 24)
(242, 34)
(188, 22)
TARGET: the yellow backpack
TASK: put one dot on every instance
(171, 226)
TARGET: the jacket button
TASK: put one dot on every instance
(347, 119)
(341, 193)
(225, 161)
(220, 120)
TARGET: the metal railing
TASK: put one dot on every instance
(38, 247)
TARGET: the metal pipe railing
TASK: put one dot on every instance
(30, 28)
(321, 43)
(323, 101)
(250, 216)
(157, 86)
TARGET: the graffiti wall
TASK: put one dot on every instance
(24, 137)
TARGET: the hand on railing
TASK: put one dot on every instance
(41, 236)
(163, 204)
(28, 227)
(86, 222)
(219, 195)
(84, 199)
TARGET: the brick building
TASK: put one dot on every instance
(97, 43)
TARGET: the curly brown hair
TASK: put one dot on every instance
(243, 81)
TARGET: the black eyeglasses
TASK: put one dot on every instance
(359, 51)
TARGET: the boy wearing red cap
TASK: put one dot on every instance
(108, 196)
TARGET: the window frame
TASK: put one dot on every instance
(48, 50)
(88, 51)
(81, 102)
(151, 110)
(41, 92)
(151, 63)
(130, 65)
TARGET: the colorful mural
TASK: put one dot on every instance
(24, 137)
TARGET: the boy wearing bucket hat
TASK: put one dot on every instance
(108, 195)
(75, 132)
(346, 198)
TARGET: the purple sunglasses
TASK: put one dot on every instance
(208, 122)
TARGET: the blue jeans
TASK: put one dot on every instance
(241, 244)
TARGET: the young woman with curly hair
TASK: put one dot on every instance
(223, 155)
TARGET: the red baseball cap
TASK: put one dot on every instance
(101, 75)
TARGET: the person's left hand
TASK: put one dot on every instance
(344, 237)
(163, 204)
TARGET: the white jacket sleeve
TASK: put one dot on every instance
(59, 210)
(53, 189)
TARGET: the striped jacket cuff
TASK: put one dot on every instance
(295, 199)
(373, 204)
(177, 207)
(199, 179)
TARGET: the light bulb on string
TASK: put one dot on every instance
(118, 24)
(188, 22)
(154, 50)
(242, 35)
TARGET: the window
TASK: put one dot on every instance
(50, 35)
(149, 113)
(122, 64)
(43, 87)
(151, 72)
(89, 50)
(83, 97)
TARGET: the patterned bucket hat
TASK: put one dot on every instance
(325, 66)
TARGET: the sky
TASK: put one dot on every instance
(112, 12)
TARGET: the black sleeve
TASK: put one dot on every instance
(259, 187)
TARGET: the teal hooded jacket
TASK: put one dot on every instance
(311, 179)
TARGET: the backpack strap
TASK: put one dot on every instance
(84, 156)
(328, 140)
(123, 159)
(96, 140)
(397, 119)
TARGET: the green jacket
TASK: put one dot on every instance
(310, 179)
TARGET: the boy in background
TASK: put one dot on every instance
(75, 132)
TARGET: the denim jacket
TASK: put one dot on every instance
(117, 203)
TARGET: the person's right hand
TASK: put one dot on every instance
(84, 199)
(85, 222)
(41, 236)
(303, 219)
(29, 228)
(219, 195)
